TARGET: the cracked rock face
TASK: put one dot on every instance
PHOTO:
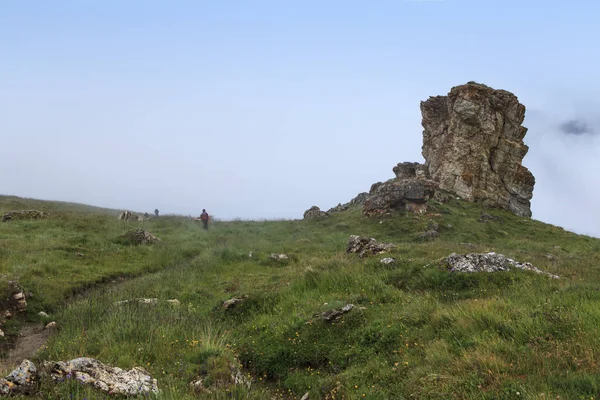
(410, 194)
(473, 146)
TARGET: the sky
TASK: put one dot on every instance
(261, 109)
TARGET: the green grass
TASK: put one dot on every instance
(416, 331)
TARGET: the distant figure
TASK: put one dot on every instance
(204, 219)
(156, 212)
(146, 215)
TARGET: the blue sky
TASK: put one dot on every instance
(261, 109)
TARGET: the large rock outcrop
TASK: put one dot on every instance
(409, 191)
(473, 146)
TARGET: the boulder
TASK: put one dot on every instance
(488, 262)
(138, 236)
(21, 380)
(473, 146)
(365, 246)
(109, 379)
(410, 170)
(129, 216)
(314, 212)
(22, 215)
(409, 194)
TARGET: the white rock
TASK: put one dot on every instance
(174, 302)
(43, 314)
(50, 325)
(388, 261)
(109, 379)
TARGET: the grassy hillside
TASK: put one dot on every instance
(417, 331)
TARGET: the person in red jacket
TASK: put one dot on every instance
(204, 218)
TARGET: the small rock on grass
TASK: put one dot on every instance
(227, 304)
(388, 261)
(336, 313)
(50, 325)
(279, 257)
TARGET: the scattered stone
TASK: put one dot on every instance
(314, 212)
(279, 257)
(174, 302)
(20, 380)
(80, 255)
(365, 246)
(109, 379)
(388, 261)
(433, 226)
(221, 379)
(8, 314)
(43, 314)
(250, 255)
(429, 235)
(129, 216)
(152, 301)
(50, 325)
(306, 396)
(139, 236)
(336, 313)
(485, 217)
(22, 215)
(227, 304)
(473, 146)
(1, 333)
(488, 262)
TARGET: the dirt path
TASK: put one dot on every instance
(31, 338)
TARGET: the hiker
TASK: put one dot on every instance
(204, 219)
(156, 212)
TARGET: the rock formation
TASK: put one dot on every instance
(314, 212)
(406, 192)
(473, 146)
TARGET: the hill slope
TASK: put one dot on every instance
(416, 331)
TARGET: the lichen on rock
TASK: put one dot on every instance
(473, 146)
